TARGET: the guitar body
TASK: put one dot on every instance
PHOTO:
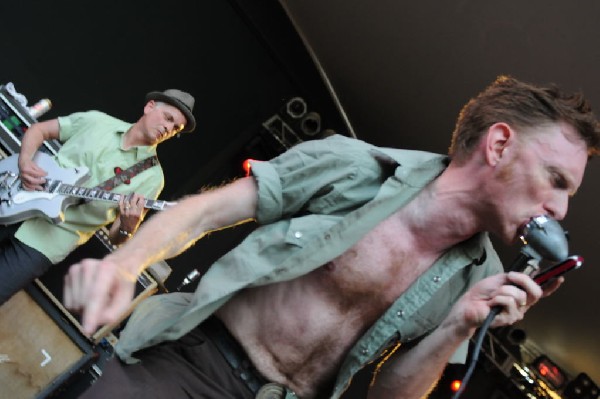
(17, 204)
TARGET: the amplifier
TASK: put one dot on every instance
(14, 121)
(149, 282)
(41, 347)
(43, 351)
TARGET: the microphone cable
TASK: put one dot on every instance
(477, 350)
(523, 263)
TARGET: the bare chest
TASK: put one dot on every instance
(301, 329)
(374, 272)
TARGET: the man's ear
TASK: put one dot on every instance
(150, 105)
(499, 137)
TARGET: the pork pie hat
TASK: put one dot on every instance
(179, 99)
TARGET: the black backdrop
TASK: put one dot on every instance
(241, 60)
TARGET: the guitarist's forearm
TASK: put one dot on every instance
(35, 135)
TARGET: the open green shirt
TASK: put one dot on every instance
(95, 140)
(314, 202)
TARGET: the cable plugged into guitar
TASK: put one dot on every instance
(543, 238)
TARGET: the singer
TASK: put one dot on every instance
(363, 254)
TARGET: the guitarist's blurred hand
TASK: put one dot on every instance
(100, 290)
(131, 210)
(32, 176)
(131, 213)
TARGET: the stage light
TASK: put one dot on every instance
(246, 166)
(455, 385)
(550, 372)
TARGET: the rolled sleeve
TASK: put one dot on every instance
(80, 123)
(318, 176)
(66, 128)
(269, 193)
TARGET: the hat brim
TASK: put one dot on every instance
(189, 117)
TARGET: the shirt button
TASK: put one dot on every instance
(298, 234)
(365, 351)
(437, 279)
(400, 313)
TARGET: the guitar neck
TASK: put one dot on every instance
(108, 196)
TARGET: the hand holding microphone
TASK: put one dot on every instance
(543, 239)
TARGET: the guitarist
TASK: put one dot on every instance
(106, 146)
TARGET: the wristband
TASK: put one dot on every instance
(125, 233)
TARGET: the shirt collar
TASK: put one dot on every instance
(141, 152)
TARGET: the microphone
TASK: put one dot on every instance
(546, 237)
(543, 238)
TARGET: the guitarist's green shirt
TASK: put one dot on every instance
(92, 139)
(314, 202)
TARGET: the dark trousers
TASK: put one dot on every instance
(19, 263)
(190, 367)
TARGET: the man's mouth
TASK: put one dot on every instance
(522, 229)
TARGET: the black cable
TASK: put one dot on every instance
(518, 265)
(477, 349)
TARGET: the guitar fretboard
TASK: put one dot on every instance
(102, 195)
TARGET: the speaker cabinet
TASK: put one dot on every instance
(41, 347)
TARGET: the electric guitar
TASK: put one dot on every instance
(59, 191)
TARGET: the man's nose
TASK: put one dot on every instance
(557, 207)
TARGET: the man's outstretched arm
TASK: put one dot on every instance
(101, 289)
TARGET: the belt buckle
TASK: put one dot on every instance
(271, 390)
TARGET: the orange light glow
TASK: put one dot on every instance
(246, 166)
(455, 385)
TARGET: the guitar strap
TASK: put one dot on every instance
(127, 174)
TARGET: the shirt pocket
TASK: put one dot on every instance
(431, 313)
